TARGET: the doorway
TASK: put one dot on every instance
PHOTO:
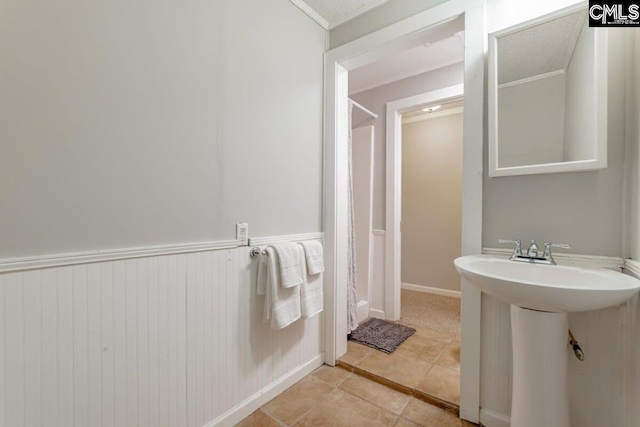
(350, 56)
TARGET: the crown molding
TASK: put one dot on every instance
(357, 13)
(330, 26)
(428, 116)
(312, 14)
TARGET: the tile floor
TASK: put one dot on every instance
(334, 397)
(427, 363)
(371, 388)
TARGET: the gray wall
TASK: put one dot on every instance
(380, 17)
(432, 201)
(376, 100)
(583, 209)
(632, 157)
(157, 122)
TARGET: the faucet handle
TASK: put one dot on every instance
(518, 249)
(548, 246)
(557, 245)
(516, 242)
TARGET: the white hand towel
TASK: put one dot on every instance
(289, 263)
(262, 286)
(315, 257)
(284, 302)
(311, 296)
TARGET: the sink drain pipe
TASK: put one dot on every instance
(576, 347)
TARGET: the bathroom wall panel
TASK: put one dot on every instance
(172, 340)
(432, 202)
(376, 100)
(105, 147)
(632, 222)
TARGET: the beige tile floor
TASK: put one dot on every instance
(427, 362)
(334, 397)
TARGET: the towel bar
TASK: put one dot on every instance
(256, 252)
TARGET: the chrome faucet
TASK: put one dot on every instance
(533, 254)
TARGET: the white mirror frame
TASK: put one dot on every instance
(599, 122)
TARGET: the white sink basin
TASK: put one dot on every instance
(554, 288)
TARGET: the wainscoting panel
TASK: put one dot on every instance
(171, 340)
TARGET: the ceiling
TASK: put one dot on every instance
(331, 13)
(539, 50)
(411, 62)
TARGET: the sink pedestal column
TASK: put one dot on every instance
(540, 395)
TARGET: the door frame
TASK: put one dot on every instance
(393, 208)
(365, 50)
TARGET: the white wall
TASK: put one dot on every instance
(579, 138)
(376, 100)
(432, 202)
(157, 122)
(531, 122)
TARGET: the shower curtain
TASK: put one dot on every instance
(352, 300)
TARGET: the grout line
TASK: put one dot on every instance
(427, 398)
(375, 404)
(263, 408)
(270, 416)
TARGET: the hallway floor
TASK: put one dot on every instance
(335, 397)
(427, 364)
(420, 309)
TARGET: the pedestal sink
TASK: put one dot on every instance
(541, 296)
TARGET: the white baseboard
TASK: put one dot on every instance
(255, 402)
(363, 310)
(377, 314)
(430, 290)
(494, 419)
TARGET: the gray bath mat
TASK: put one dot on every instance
(381, 334)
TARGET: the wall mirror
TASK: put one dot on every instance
(548, 96)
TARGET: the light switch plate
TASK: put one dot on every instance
(242, 233)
